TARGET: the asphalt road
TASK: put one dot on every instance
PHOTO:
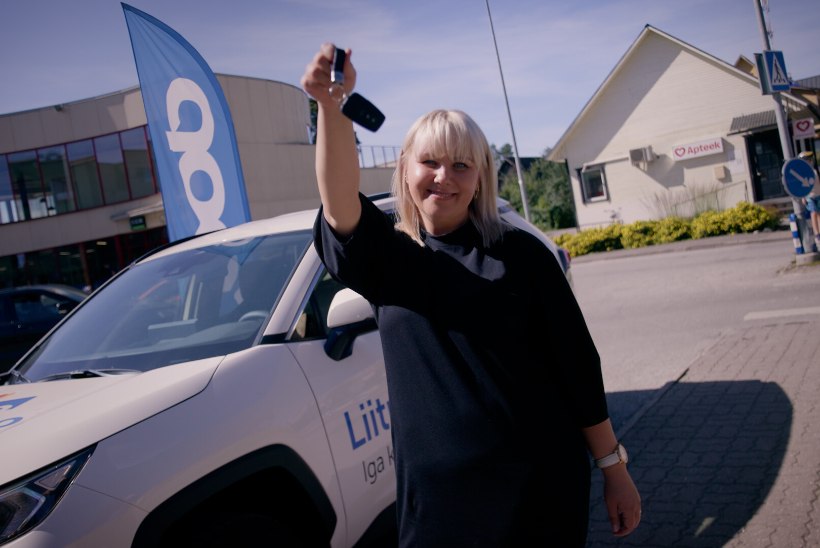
(653, 313)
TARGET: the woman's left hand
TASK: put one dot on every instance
(623, 503)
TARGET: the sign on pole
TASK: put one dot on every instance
(191, 130)
(799, 177)
(776, 74)
(803, 128)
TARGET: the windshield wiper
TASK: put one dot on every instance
(87, 374)
(13, 377)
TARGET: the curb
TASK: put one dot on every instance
(688, 245)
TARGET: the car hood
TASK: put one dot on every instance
(43, 422)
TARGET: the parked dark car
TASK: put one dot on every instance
(29, 312)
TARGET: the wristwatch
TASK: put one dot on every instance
(618, 456)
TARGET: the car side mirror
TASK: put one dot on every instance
(348, 316)
(347, 307)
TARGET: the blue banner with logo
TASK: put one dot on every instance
(191, 131)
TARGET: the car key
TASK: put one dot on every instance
(354, 106)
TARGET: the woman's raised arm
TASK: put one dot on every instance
(337, 163)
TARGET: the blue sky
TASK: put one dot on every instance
(411, 56)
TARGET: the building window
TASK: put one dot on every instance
(27, 185)
(593, 183)
(58, 179)
(112, 169)
(54, 167)
(84, 174)
(137, 162)
(83, 265)
(8, 206)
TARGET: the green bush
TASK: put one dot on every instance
(708, 223)
(562, 239)
(638, 234)
(672, 229)
(592, 240)
(744, 217)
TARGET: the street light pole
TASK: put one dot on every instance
(783, 130)
(509, 115)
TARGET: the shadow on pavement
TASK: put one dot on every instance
(704, 458)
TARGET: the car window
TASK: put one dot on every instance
(190, 305)
(33, 307)
(312, 323)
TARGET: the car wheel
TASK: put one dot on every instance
(239, 529)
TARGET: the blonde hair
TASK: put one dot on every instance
(450, 133)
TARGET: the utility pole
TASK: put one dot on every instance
(785, 141)
(509, 115)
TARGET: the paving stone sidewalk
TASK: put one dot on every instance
(730, 454)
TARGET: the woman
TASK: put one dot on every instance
(472, 314)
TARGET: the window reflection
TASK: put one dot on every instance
(83, 168)
(54, 167)
(80, 175)
(70, 266)
(112, 170)
(100, 260)
(137, 162)
(25, 180)
(8, 207)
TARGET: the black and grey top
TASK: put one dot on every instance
(488, 360)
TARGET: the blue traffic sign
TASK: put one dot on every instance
(776, 74)
(799, 177)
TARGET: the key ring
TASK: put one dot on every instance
(337, 77)
(354, 106)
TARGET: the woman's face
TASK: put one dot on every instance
(442, 188)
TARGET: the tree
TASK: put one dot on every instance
(548, 192)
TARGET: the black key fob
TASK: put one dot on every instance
(363, 112)
(354, 106)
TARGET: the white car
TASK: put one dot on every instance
(220, 390)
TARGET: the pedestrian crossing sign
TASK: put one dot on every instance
(775, 73)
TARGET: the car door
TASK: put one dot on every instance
(351, 393)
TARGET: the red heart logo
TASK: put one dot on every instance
(802, 125)
(680, 151)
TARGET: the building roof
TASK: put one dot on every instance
(812, 82)
(557, 152)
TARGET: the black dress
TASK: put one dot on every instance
(489, 361)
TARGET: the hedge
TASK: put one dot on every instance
(744, 217)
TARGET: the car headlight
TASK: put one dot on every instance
(25, 503)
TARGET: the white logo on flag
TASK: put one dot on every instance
(195, 157)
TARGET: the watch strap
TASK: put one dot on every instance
(616, 457)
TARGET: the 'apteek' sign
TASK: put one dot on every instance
(700, 148)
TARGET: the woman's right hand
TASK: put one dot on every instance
(316, 80)
(337, 161)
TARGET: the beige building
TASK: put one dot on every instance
(672, 130)
(79, 197)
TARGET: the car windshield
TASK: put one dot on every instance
(195, 304)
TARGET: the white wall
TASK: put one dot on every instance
(664, 95)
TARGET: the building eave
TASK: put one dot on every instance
(557, 153)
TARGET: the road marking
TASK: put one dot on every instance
(769, 314)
